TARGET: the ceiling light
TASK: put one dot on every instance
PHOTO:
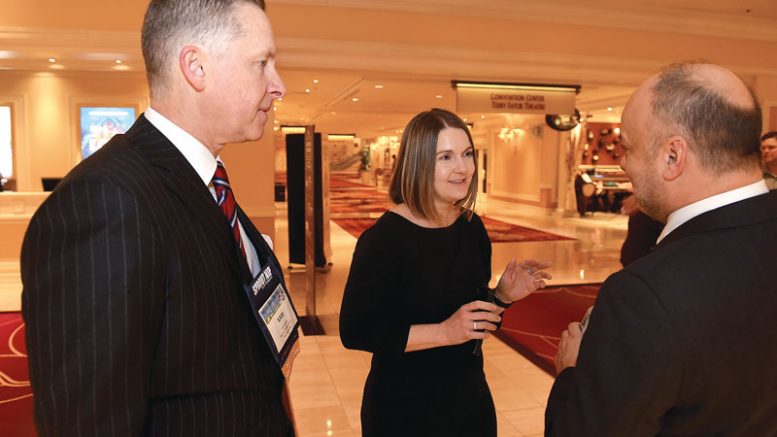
(315, 80)
(307, 90)
(438, 96)
(516, 86)
(52, 60)
(482, 117)
(280, 99)
(292, 129)
(341, 137)
(378, 86)
(355, 99)
(118, 61)
(609, 108)
(465, 119)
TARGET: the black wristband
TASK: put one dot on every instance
(495, 300)
(499, 303)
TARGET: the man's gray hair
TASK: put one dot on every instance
(168, 24)
(724, 136)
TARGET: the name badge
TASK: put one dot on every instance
(274, 312)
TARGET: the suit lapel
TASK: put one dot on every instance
(745, 212)
(181, 179)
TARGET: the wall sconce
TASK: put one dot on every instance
(511, 136)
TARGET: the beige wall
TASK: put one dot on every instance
(46, 140)
(766, 89)
(524, 169)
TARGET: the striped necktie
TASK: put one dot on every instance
(226, 201)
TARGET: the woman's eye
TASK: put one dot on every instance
(469, 153)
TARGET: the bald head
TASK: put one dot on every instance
(723, 82)
(712, 109)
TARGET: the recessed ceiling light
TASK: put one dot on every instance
(482, 117)
(118, 61)
(465, 119)
(609, 108)
(438, 96)
(315, 80)
(307, 90)
(355, 99)
(280, 99)
(378, 86)
(52, 60)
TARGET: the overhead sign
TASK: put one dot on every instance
(515, 98)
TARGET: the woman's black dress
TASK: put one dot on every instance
(404, 274)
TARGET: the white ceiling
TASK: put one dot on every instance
(414, 48)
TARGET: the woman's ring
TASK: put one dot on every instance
(475, 326)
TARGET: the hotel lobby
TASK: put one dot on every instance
(357, 72)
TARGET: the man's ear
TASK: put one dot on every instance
(674, 155)
(190, 61)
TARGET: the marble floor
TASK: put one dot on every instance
(327, 381)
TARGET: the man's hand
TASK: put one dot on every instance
(569, 347)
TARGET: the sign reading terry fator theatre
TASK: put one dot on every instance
(515, 98)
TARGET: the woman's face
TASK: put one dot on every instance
(454, 167)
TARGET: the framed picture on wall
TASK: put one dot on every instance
(98, 124)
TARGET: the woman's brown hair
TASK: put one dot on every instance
(412, 182)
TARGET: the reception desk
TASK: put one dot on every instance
(16, 209)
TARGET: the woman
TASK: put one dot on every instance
(417, 294)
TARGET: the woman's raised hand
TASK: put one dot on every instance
(521, 279)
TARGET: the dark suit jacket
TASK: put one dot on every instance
(683, 342)
(137, 322)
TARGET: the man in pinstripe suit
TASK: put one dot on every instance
(137, 322)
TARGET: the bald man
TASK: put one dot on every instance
(682, 341)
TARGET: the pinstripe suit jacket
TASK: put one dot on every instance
(137, 323)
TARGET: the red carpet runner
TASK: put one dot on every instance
(15, 392)
(533, 326)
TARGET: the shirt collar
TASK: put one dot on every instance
(198, 156)
(682, 215)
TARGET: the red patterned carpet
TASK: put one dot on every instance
(533, 326)
(355, 206)
(498, 231)
(15, 392)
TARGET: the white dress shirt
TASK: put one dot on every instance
(688, 212)
(204, 163)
